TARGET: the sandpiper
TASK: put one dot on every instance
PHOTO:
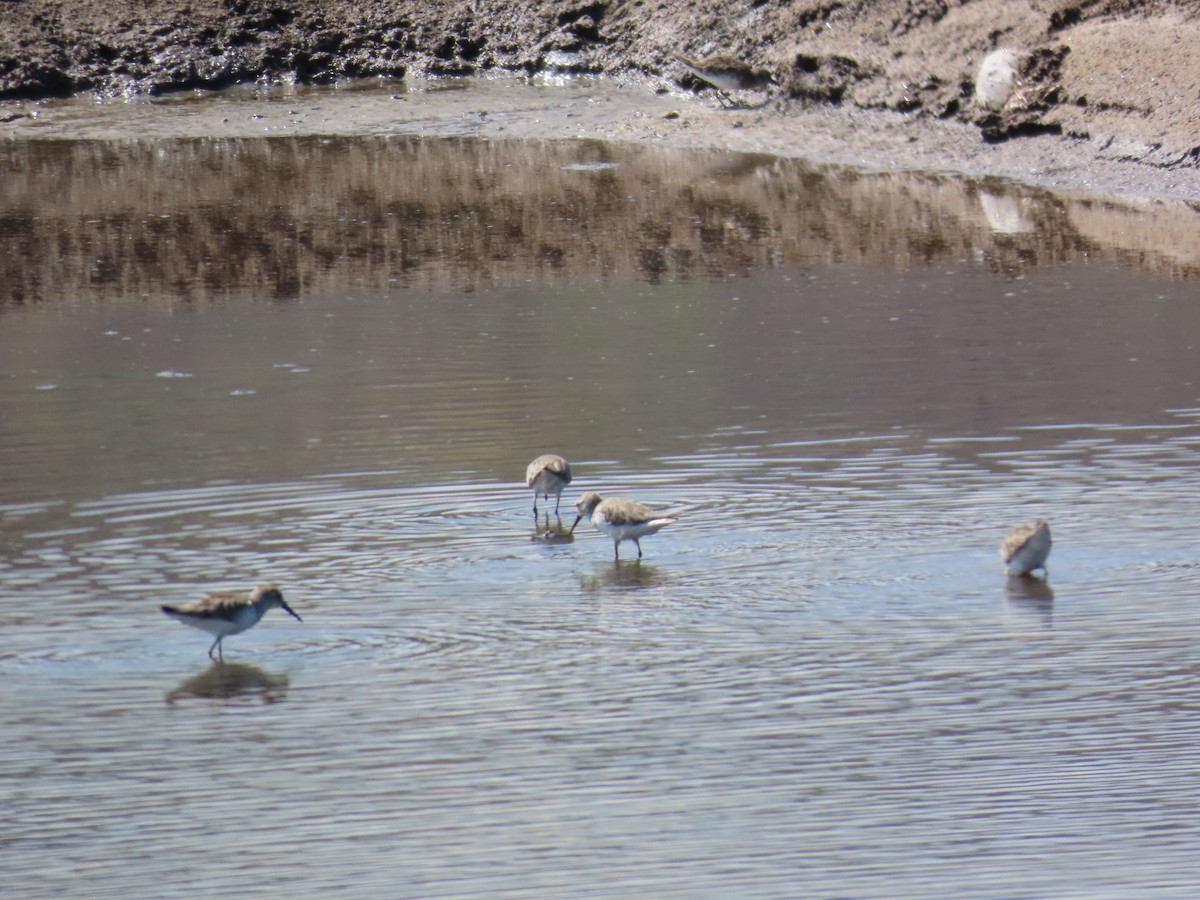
(727, 74)
(223, 613)
(621, 520)
(548, 474)
(998, 80)
(1026, 548)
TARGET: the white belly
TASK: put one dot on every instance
(547, 483)
(629, 532)
(246, 617)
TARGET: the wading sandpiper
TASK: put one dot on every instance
(1026, 548)
(546, 475)
(223, 613)
(621, 520)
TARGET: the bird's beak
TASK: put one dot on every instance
(577, 518)
(289, 610)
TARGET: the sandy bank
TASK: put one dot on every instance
(1104, 97)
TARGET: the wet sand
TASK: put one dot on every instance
(579, 107)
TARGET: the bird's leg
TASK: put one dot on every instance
(639, 546)
(616, 550)
(557, 501)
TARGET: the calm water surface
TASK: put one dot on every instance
(229, 362)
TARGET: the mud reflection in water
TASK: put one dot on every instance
(283, 218)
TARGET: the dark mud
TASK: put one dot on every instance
(1122, 78)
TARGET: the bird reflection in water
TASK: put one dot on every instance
(1029, 601)
(230, 681)
(631, 574)
(554, 533)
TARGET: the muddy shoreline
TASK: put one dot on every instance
(1103, 97)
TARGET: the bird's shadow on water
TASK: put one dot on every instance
(1030, 598)
(231, 681)
(630, 574)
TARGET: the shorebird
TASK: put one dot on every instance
(727, 74)
(998, 80)
(621, 520)
(223, 613)
(548, 474)
(1026, 548)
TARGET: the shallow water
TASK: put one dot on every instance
(818, 683)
